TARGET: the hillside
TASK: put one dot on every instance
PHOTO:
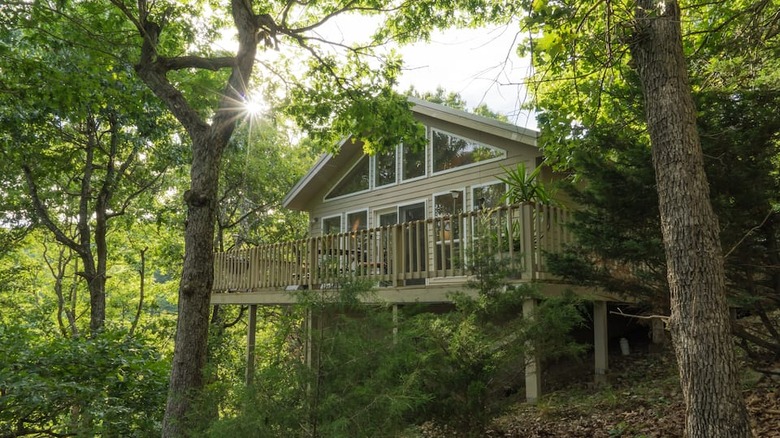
(642, 399)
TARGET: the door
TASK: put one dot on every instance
(414, 242)
(448, 210)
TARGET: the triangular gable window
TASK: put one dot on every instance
(451, 151)
(353, 182)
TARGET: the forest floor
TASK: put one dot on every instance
(641, 399)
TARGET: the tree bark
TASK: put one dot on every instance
(189, 359)
(208, 143)
(699, 322)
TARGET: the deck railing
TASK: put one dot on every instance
(402, 254)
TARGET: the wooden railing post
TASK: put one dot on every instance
(400, 252)
(398, 267)
(311, 268)
(529, 234)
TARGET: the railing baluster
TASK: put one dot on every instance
(437, 247)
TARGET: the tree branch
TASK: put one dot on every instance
(741, 332)
(43, 214)
(238, 318)
(244, 216)
(142, 273)
(663, 318)
(346, 8)
(748, 233)
(185, 62)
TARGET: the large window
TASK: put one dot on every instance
(331, 225)
(388, 218)
(355, 181)
(451, 151)
(413, 163)
(488, 196)
(384, 173)
(448, 204)
(357, 221)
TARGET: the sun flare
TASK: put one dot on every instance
(254, 105)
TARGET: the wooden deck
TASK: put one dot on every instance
(414, 261)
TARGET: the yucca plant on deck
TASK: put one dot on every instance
(525, 187)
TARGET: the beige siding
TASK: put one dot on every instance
(423, 189)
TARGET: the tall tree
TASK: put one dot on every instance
(330, 100)
(79, 147)
(699, 321)
(587, 47)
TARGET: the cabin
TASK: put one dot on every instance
(406, 220)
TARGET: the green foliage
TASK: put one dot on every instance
(441, 96)
(617, 227)
(368, 373)
(259, 167)
(365, 381)
(360, 379)
(485, 111)
(592, 124)
(454, 100)
(475, 355)
(524, 186)
(472, 357)
(107, 385)
(369, 113)
(87, 153)
(616, 222)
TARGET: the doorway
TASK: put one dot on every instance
(415, 246)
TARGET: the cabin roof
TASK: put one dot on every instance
(328, 166)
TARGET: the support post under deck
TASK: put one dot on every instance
(533, 366)
(600, 342)
(250, 345)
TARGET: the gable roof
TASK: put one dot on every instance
(329, 165)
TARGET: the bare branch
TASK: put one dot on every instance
(244, 216)
(663, 318)
(141, 189)
(741, 332)
(748, 233)
(325, 19)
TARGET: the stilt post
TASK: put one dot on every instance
(600, 342)
(250, 345)
(533, 366)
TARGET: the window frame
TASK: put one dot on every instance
(346, 220)
(474, 187)
(351, 168)
(502, 156)
(402, 163)
(457, 236)
(373, 170)
(325, 218)
(378, 212)
(463, 192)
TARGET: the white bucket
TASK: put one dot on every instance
(624, 350)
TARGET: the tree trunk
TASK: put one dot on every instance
(189, 357)
(699, 322)
(208, 143)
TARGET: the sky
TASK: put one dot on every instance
(480, 64)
